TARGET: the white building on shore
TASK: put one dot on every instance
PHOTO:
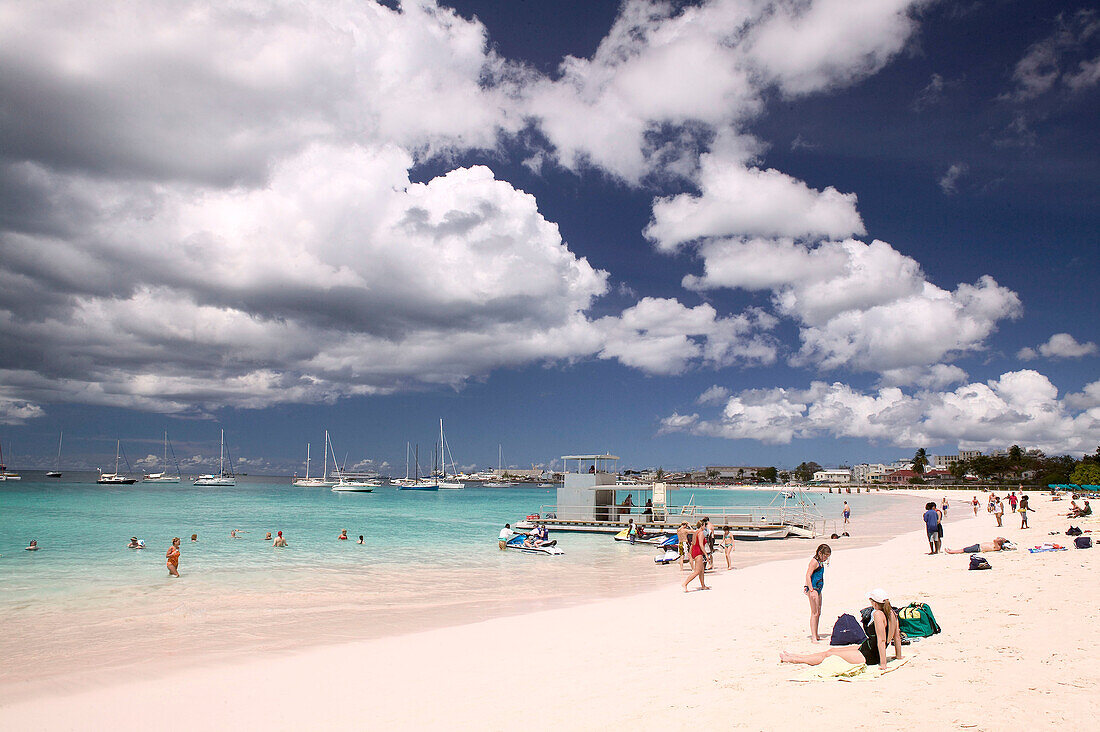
(868, 472)
(837, 475)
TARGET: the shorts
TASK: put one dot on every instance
(972, 549)
(934, 534)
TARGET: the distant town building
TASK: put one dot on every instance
(838, 475)
(868, 472)
(739, 472)
(902, 477)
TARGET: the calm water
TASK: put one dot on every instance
(428, 559)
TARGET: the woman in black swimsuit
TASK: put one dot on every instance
(882, 629)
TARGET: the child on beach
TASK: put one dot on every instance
(815, 582)
(945, 505)
(173, 556)
(882, 630)
(727, 545)
(1023, 509)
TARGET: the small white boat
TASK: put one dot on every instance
(116, 478)
(164, 476)
(223, 478)
(498, 485)
(517, 543)
(650, 539)
(323, 481)
(4, 474)
(356, 486)
(57, 473)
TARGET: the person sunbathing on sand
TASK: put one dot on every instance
(997, 546)
(882, 630)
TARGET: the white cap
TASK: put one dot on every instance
(878, 595)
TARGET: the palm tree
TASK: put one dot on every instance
(920, 460)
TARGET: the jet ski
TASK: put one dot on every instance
(551, 547)
(651, 539)
(670, 551)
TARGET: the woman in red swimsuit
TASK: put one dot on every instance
(698, 555)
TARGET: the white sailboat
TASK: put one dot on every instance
(4, 474)
(408, 479)
(416, 484)
(308, 482)
(223, 478)
(443, 483)
(164, 476)
(496, 483)
(57, 473)
(116, 478)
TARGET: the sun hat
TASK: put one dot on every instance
(878, 595)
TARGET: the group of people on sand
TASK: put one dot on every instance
(1076, 511)
(697, 547)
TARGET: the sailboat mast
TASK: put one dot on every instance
(118, 448)
(442, 452)
(326, 454)
(165, 451)
(307, 461)
(407, 446)
(60, 437)
(221, 455)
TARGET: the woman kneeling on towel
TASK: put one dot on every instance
(882, 630)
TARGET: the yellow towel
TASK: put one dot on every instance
(835, 668)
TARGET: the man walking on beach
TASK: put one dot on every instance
(847, 513)
(998, 510)
(932, 525)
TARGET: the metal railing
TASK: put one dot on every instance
(741, 516)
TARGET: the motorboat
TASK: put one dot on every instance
(670, 551)
(550, 548)
(356, 486)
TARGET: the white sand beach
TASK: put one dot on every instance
(1015, 653)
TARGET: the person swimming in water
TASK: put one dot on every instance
(279, 540)
(343, 535)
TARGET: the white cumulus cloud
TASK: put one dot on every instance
(1020, 407)
(1060, 345)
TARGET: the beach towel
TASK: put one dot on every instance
(835, 668)
(1047, 548)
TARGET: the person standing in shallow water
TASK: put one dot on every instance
(173, 557)
(815, 583)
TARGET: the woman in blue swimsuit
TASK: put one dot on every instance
(815, 582)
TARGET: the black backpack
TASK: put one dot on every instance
(1083, 542)
(847, 631)
(977, 561)
(1073, 531)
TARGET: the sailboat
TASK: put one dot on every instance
(4, 474)
(428, 484)
(224, 477)
(57, 473)
(408, 479)
(444, 451)
(163, 476)
(117, 478)
(324, 481)
(496, 483)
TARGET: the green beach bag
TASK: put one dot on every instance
(917, 621)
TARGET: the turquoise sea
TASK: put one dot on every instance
(428, 559)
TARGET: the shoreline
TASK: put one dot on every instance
(664, 657)
(297, 623)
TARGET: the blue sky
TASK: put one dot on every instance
(685, 233)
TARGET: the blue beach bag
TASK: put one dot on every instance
(847, 631)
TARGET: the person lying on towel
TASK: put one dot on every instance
(997, 546)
